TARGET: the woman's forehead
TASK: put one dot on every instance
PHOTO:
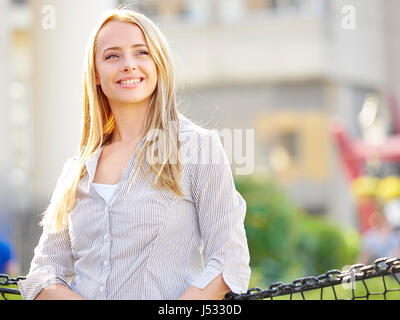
(117, 33)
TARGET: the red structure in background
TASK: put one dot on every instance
(354, 154)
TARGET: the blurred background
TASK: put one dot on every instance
(317, 80)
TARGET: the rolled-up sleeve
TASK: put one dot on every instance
(221, 212)
(52, 261)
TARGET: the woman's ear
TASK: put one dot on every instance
(97, 78)
(97, 81)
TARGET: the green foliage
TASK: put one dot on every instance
(286, 243)
(323, 245)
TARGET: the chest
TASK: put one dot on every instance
(111, 165)
(134, 219)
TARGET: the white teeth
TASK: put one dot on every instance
(130, 81)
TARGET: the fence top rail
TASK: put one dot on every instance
(357, 272)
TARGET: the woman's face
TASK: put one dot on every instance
(125, 70)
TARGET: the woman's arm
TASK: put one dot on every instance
(58, 292)
(215, 290)
(53, 261)
(221, 212)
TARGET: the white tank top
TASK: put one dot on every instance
(105, 190)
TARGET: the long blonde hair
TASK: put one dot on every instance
(98, 122)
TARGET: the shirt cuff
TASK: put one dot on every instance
(34, 283)
(210, 272)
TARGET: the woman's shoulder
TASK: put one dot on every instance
(188, 127)
(200, 145)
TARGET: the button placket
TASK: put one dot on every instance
(105, 256)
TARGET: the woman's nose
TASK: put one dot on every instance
(129, 64)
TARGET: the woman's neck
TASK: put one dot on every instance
(129, 123)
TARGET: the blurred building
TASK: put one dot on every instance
(285, 68)
(5, 160)
(41, 99)
(16, 123)
(282, 67)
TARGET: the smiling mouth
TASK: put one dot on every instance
(130, 83)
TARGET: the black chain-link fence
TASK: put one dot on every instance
(8, 286)
(380, 280)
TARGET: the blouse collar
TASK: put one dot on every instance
(91, 164)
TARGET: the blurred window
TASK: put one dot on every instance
(19, 2)
(257, 4)
(274, 4)
(148, 8)
(171, 8)
(284, 151)
(278, 6)
(290, 141)
(157, 8)
(296, 144)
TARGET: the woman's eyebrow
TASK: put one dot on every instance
(119, 48)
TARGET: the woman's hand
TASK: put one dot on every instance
(58, 292)
(215, 290)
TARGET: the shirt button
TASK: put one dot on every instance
(105, 263)
(106, 236)
(101, 288)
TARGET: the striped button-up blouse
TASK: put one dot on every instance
(148, 243)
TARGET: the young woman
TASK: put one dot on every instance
(147, 209)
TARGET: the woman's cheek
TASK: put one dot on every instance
(107, 83)
(107, 89)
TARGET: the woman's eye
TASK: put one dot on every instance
(111, 56)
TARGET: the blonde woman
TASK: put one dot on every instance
(147, 208)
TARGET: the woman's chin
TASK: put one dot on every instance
(129, 100)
